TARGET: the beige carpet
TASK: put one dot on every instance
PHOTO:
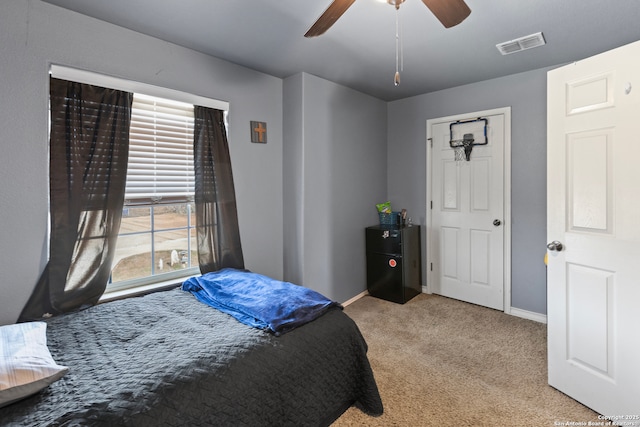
(442, 362)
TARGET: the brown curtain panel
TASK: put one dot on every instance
(89, 148)
(218, 235)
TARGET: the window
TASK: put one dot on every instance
(157, 234)
(157, 239)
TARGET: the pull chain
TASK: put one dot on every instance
(396, 77)
(399, 49)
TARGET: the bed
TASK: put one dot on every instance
(168, 359)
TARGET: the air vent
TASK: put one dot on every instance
(520, 44)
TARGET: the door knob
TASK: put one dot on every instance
(555, 246)
(497, 222)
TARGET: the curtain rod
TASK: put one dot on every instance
(93, 78)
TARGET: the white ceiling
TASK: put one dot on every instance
(359, 50)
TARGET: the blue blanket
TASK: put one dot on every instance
(258, 300)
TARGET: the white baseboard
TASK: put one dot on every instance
(518, 312)
(356, 298)
(530, 315)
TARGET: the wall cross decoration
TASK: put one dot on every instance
(259, 132)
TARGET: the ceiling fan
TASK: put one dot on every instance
(448, 12)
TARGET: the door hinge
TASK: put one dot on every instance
(430, 141)
(431, 204)
(431, 267)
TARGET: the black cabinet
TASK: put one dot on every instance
(393, 262)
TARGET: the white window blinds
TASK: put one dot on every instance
(160, 152)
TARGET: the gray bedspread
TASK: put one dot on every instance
(166, 359)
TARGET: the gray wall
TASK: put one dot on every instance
(525, 93)
(32, 36)
(335, 173)
(343, 151)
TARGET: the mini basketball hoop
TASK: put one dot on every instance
(463, 147)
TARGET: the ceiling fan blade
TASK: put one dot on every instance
(329, 17)
(449, 12)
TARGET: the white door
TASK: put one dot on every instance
(593, 201)
(466, 209)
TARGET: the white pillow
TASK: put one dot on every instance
(26, 366)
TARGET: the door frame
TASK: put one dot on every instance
(506, 197)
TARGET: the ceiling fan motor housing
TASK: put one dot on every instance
(395, 3)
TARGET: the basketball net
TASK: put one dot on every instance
(462, 147)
